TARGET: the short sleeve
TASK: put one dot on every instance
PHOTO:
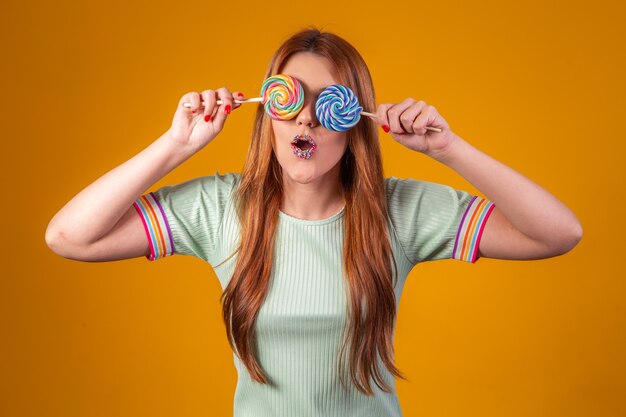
(435, 221)
(185, 218)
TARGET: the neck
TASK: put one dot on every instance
(315, 200)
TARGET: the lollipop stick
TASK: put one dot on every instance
(373, 116)
(245, 100)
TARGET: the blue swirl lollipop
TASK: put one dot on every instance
(338, 109)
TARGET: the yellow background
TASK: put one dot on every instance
(537, 85)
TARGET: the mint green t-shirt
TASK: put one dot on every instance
(299, 325)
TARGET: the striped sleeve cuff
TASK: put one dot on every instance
(156, 226)
(471, 229)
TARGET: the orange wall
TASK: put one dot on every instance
(88, 85)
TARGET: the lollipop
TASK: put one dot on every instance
(282, 95)
(338, 109)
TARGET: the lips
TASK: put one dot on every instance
(303, 146)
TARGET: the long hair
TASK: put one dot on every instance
(367, 253)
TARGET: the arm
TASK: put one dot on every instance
(527, 222)
(93, 212)
(100, 223)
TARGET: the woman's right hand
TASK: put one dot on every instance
(196, 126)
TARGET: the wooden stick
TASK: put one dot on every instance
(245, 100)
(260, 99)
(373, 116)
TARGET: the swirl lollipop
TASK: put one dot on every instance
(338, 109)
(282, 95)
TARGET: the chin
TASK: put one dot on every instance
(301, 173)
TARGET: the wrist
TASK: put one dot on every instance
(176, 146)
(447, 153)
(167, 154)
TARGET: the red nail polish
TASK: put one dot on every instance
(193, 111)
(386, 128)
(207, 117)
(227, 109)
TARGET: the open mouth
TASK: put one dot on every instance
(303, 146)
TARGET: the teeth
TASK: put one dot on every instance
(302, 153)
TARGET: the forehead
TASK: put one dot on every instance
(314, 72)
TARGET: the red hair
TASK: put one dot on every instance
(367, 259)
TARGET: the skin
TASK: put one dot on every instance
(527, 222)
(312, 188)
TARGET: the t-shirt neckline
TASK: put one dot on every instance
(330, 219)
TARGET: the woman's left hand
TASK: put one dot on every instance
(407, 123)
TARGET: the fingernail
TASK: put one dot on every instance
(227, 109)
(239, 95)
(193, 111)
(386, 128)
(207, 117)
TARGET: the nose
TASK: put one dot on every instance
(307, 116)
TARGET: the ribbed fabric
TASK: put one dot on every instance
(471, 229)
(155, 225)
(299, 325)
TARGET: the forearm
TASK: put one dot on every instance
(93, 212)
(529, 208)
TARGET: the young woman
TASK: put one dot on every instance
(312, 245)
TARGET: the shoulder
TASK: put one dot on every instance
(220, 180)
(214, 182)
(392, 183)
(435, 221)
(398, 189)
(210, 189)
(414, 204)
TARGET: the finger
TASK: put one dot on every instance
(427, 117)
(193, 98)
(227, 100)
(238, 95)
(408, 116)
(394, 115)
(216, 110)
(219, 114)
(381, 114)
(208, 96)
